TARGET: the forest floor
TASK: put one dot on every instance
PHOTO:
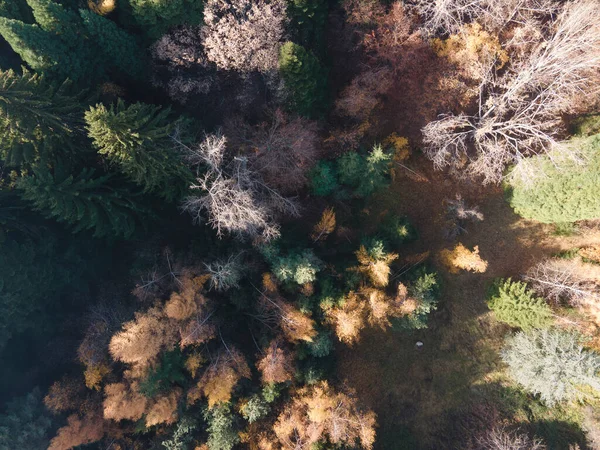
(421, 392)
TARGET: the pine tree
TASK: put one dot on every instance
(25, 423)
(136, 138)
(567, 192)
(120, 49)
(14, 9)
(84, 202)
(305, 79)
(35, 116)
(518, 306)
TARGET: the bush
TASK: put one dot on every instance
(552, 363)
(516, 305)
(365, 174)
(567, 193)
(305, 80)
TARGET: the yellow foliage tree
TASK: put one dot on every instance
(462, 258)
(325, 226)
(376, 268)
(123, 402)
(277, 365)
(321, 413)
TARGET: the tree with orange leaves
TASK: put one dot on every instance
(375, 262)
(320, 413)
(277, 365)
(462, 258)
(123, 402)
(296, 326)
(79, 431)
(220, 378)
(142, 339)
(163, 409)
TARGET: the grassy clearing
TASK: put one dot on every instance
(457, 381)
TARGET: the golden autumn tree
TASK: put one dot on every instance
(320, 413)
(163, 409)
(142, 339)
(79, 431)
(348, 318)
(461, 258)
(227, 367)
(325, 226)
(276, 365)
(374, 263)
(122, 401)
(295, 325)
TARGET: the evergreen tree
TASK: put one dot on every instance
(155, 17)
(565, 193)
(308, 19)
(222, 432)
(305, 79)
(553, 364)
(55, 44)
(32, 275)
(136, 138)
(120, 49)
(35, 116)
(518, 306)
(26, 424)
(365, 174)
(82, 201)
(323, 180)
(14, 9)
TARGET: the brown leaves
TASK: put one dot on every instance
(462, 258)
(123, 401)
(377, 269)
(325, 226)
(295, 325)
(163, 409)
(142, 339)
(217, 383)
(277, 364)
(319, 413)
(79, 431)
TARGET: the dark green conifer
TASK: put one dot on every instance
(137, 139)
(84, 202)
(36, 118)
(305, 79)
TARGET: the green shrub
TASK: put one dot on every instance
(552, 364)
(587, 125)
(565, 194)
(304, 78)
(167, 373)
(516, 305)
(365, 174)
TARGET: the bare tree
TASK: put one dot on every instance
(234, 197)
(225, 273)
(448, 16)
(244, 35)
(180, 65)
(500, 438)
(519, 112)
(281, 150)
(562, 279)
(457, 213)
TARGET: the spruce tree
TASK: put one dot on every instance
(305, 80)
(36, 117)
(553, 364)
(55, 44)
(119, 48)
(136, 139)
(516, 305)
(84, 202)
(155, 17)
